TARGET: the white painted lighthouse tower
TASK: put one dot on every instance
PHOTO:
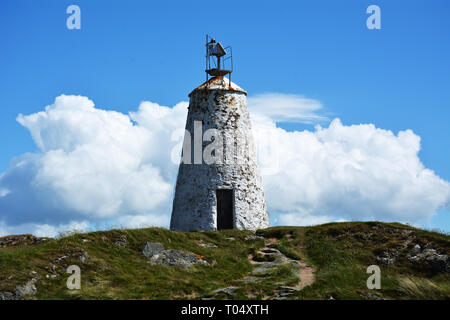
(218, 185)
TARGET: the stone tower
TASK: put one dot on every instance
(220, 186)
(229, 193)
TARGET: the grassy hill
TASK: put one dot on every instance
(316, 262)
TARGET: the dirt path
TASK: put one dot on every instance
(265, 260)
(306, 275)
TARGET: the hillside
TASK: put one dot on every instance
(319, 262)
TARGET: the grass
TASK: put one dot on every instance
(340, 252)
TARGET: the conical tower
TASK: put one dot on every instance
(218, 185)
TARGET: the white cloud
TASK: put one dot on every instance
(299, 219)
(286, 107)
(100, 169)
(3, 192)
(143, 221)
(356, 172)
(94, 164)
(42, 230)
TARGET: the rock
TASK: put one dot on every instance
(157, 254)
(414, 259)
(231, 239)
(177, 258)
(415, 250)
(253, 237)
(59, 260)
(250, 279)
(152, 248)
(371, 296)
(275, 258)
(283, 292)
(429, 253)
(27, 289)
(262, 268)
(437, 262)
(388, 258)
(51, 269)
(84, 256)
(287, 289)
(22, 239)
(8, 296)
(230, 291)
(121, 241)
(270, 251)
(203, 244)
(406, 232)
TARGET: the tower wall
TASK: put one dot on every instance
(222, 106)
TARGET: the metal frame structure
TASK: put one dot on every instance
(219, 62)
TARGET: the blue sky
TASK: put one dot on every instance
(126, 52)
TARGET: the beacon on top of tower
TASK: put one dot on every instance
(219, 61)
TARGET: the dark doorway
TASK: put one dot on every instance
(224, 209)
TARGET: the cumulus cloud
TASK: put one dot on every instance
(356, 172)
(94, 164)
(97, 169)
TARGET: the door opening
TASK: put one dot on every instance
(225, 208)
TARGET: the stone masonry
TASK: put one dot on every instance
(220, 105)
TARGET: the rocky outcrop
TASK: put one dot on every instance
(428, 255)
(438, 262)
(79, 253)
(152, 248)
(283, 292)
(121, 241)
(22, 239)
(273, 258)
(8, 296)
(157, 254)
(267, 262)
(27, 289)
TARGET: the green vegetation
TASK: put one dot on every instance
(339, 252)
